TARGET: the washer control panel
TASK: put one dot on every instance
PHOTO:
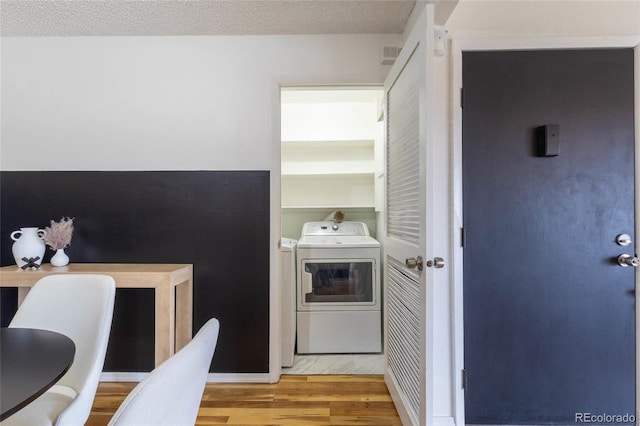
(334, 228)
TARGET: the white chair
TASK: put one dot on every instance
(80, 307)
(170, 395)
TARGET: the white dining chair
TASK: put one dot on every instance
(170, 395)
(80, 307)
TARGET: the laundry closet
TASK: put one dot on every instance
(332, 177)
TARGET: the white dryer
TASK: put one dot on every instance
(338, 289)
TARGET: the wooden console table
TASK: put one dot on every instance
(172, 284)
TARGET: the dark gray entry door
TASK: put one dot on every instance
(549, 316)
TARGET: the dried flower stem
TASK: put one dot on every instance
(58, 235)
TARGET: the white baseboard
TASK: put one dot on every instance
(238, 378)
(122, 377)
(444, 421)
(211, 378)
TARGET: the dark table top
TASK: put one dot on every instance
(31, 361)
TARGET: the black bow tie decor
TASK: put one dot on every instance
(31, 263)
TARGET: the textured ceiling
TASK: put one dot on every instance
(201, 17)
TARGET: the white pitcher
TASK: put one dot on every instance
(28, 245)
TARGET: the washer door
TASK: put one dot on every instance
(332, 283)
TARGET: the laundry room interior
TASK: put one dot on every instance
(332, 190)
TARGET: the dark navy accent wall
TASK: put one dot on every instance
(216, 220)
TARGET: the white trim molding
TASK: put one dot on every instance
(275, 263)
(239, 378)
(211, 377)
(443, 421)
(122, 377)
(637, 221)
(540, 43)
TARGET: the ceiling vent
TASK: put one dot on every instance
(388, 54)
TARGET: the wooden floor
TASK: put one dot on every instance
(295, 400)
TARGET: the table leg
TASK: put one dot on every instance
(22, 293)
(184, 314)
(165, 323)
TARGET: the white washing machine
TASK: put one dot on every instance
(338, 289)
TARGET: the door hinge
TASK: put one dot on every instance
(463, 380)
(461, 97)
(462, 237)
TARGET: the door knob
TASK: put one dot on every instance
(437, 263)
(414, 262)
(628, 260)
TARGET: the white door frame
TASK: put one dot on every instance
(458, 46)
(275, 223)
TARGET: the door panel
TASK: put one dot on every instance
(549, 315)
(408, 225)
(404, 331)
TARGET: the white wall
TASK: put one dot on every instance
(294, 219)
(520, 18)
(168, 103)
(163, 103)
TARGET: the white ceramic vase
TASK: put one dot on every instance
(60, 258)
(28, 246)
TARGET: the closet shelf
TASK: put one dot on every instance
(328, 144)
(345, 171)
(329, 206)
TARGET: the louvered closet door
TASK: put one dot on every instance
(409, 219)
